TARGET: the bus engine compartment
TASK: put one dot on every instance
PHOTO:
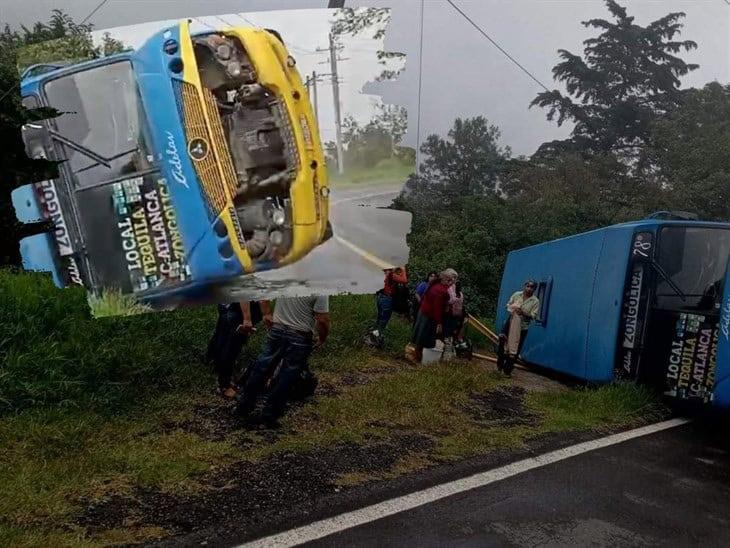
(262, 148)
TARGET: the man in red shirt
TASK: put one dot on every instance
(434, 304)
(385, 300)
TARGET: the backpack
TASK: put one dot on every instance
(401, 299)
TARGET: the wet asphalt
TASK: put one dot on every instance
(666, 489)
(366, 234)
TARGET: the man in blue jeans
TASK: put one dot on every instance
(291, 339)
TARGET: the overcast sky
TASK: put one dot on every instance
(463, 73)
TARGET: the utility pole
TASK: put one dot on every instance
(332, 50)
(336, 97)
(314, 96)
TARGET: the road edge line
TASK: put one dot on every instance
(381, 264)
(348, 520)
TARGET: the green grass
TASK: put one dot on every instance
(114, 303)
(385, 172)
(89, 407)
(620, 404)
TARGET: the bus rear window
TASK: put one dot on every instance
(695, 259)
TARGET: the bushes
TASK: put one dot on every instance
(52, 352)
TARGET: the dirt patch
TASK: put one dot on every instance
(211, 420)
(250, 495)
(502, 407)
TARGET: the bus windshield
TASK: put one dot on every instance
(695, 259)
(101, 130)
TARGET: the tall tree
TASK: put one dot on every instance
(629, 77)
(358, 21)
(465, 163)
(693, 152)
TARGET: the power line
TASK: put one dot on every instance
(465, 16)
(97, 8)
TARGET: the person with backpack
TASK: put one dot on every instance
(392, 297)
(454, 321)
(236, 321)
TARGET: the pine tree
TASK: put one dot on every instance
(628, 78)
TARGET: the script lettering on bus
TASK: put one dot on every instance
(173, 158)
(73, 271)
(725, 320)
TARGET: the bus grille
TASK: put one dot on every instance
(191, 110)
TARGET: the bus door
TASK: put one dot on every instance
(126, 217)
(682, 328)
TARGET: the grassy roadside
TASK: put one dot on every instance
(149, 421)
(385, 172)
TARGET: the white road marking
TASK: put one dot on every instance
(363, 197)
(372, 259)
(336, 524)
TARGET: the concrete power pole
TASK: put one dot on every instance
(336, 96)
(314, 95)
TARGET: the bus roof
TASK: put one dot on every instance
(637, 224)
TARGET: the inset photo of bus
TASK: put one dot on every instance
(194, 155)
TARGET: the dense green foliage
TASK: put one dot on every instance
(54, 353)
(639, 144)
(692, 147)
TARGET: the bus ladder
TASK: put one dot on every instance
(492, 336)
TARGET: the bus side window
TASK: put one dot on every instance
(544, 289)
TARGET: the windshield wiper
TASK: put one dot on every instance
(663, 274)
(116, 156)
(80, 148)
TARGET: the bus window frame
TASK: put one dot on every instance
(71, 181)
(659, 235)
(543, 292)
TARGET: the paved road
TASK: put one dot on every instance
(670, 488)
(367, 237)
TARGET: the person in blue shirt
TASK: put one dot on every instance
(420, 291)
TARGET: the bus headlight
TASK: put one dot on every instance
(278, 217)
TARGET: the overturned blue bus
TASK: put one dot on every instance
(644, 300)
